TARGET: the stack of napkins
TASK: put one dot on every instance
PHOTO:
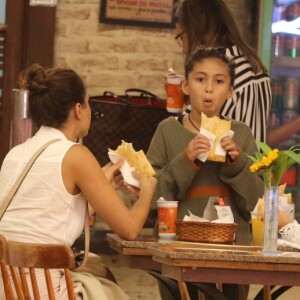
(228, 219)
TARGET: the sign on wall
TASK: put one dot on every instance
(42, 2)
(152, 13)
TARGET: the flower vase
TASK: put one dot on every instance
(271, 196)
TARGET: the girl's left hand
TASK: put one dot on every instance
(231, 148)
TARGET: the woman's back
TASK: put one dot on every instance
(42, 210)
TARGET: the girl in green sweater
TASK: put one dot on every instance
(177, 144)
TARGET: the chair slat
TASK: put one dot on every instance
(69, 285)
(17, 283)
(9, 295)
(24, 283)
(34, 284)
(49, 285)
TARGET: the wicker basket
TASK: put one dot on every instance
(205, 232)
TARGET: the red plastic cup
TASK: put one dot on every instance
(175, 95)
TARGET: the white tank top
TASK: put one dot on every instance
(42, 210)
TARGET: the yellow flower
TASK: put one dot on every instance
(266, 161)
(256, 166)
(274, 162)
(273, 154)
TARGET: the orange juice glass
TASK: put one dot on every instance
(167, 214)
(257, 230)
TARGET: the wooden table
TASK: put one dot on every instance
(135, 252)
(191, 262)
(215, 263)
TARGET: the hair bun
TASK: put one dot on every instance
(33, 79)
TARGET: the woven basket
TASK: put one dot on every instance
(205, 232)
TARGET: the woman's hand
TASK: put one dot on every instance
(231, 148)
(113, 175)
(198, 145)
(147, 184)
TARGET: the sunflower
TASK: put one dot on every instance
(273, 163)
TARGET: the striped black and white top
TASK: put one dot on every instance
(251, 101)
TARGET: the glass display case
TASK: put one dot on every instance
(285, 65)
(280, 50)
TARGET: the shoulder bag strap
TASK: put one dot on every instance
(86, 241)
(21, 177)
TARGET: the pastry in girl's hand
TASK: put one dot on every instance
(219, 127)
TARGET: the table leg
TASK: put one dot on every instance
(201, 296)
(267, 292)
(183, 291)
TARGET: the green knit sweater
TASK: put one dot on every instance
(179, 179)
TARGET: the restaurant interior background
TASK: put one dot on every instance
(114, 57)
(109, 57)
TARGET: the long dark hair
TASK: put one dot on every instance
(52, 93)
(210, 23)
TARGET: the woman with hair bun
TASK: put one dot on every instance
(50, 205)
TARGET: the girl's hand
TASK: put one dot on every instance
(231, 148)
(198, 145)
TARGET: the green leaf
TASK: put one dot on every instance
(264, 147)
(259, 156)
(294, 156)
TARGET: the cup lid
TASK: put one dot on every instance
(175, 79)
(166, 203)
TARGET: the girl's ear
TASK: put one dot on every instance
(185, 87)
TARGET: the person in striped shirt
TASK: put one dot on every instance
(210, 23)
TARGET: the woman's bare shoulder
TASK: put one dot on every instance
(79, 154)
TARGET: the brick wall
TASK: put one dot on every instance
(114, 57)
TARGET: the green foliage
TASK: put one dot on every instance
(273, 163)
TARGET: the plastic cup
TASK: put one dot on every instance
(175, 95)
(167, 214)
(257, 230)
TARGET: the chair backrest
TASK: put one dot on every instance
(17, 257)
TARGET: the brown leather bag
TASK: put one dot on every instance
(129, 117)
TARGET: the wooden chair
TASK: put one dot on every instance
(17, 257)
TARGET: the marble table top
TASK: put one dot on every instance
(203, 251)
(175, 251)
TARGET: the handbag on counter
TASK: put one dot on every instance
(132, 117)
